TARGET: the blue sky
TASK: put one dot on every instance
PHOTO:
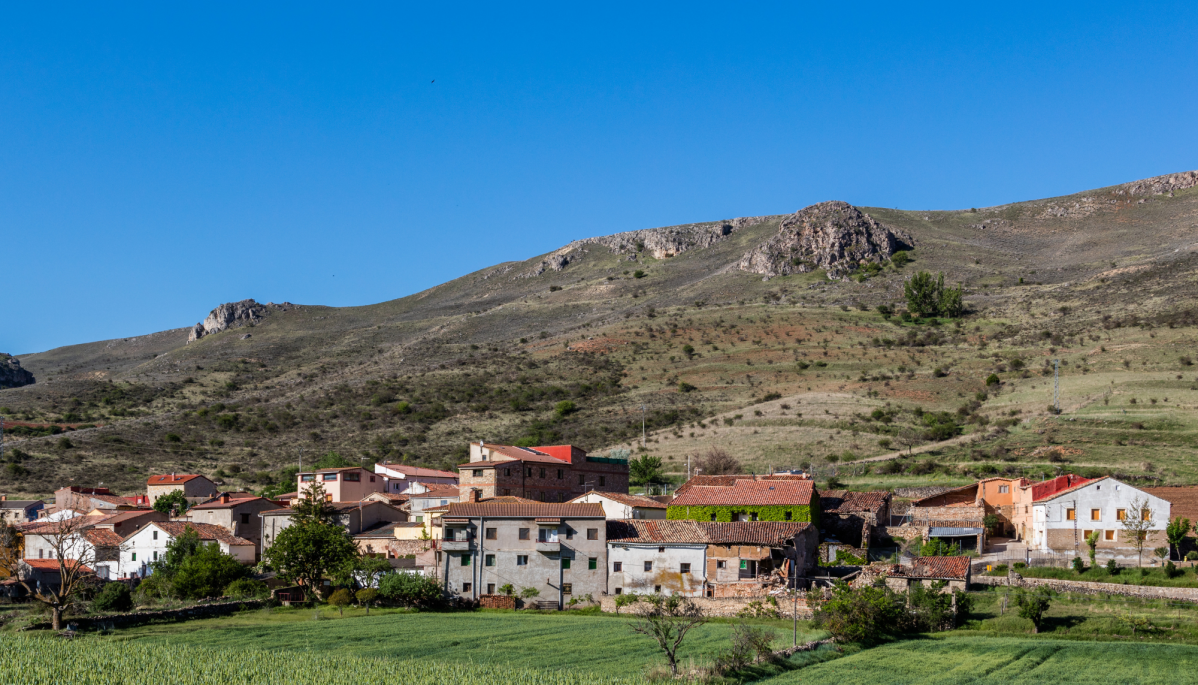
(159, 159)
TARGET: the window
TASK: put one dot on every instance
(420, 518)
(1120, 514)
(1004, 489)
(685, 568)
(657, 589)
(661, 550)
(352, 477)
(490, 533)
(1086, 534)
(307, 478)
(522, 560)
(592, 564)
(567, 588)
(753, 516)
(617, 566)
(523, 533)
(477, 473)
(490, 588)
(582, 480)
(569, 533)
(1108, 535)
(1095, 514)
(713, 517)
(465, 560)
(505, 491)
(565, 563)
(372, 479)
(619, 591)
(465, 587)
(135, 556)
(542, 473)
(1070, 514)
(786, 516)
(720, 564)
(489, 560)
(648, 566)
(602, 481)
(444, 502)
(559, 474)
(592, 533)
(528, 472)
(155, 535)
(1145, 514)
(328, 476)
(507, 472)
(245, 519)
(155, 556)
(744, 564)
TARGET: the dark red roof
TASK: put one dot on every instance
(501, 510)
(1183, 500)
(748, 493)
(956, 568)
(103, 537)
(207, 531)
(853, 502)
(767, 533)
(1058, 486)
(51, 564)
(217, 504)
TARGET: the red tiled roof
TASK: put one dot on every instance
(956, 568)
(103, 537)
(217, 504)
(1058, 486)
(50, 564)
(500, 510)
(728, 481)
(841, 502)
(748, 493)
(1183, 500)
(391, 497)
(505, 499)
(418, 471)
(626, 499)
(770, 533)
(172, 479)
(75, 523)
(446, 491)
(122, 516)
(207, 531)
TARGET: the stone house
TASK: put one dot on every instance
(624, 506)
(748, 499)
(1057, 515)
(706, 559)
(345, 484)
(853, 517)
(354, 517)
(14, 511)
(146, 546)
(87, 499)
(194, 487)
(954, 571)
(402, 479)
(560, 550)
(237, 515)
(556, 473)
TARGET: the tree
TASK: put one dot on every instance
(332, 460)
(173, 503)
(923, 293)
(645, 470)
(367, 596)
(369, 570)
(667, 619)
(1136, 525)
(313, 545)
(12, 548)
(207, 572)
(244, 588)
(626, 600)
(1092, 543)
(177, 552)
(952, 302)
(1176, 531)
(341, 599)
(410, 589)
(909, 438)
(717, 462)
(75, 559)
(1033, 605)
(862, 614)
(113, 597)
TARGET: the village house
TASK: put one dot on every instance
(558, 549)
(853, 517)
(623, 506)
(954, 572)
(237, 515)
(84, 499)
(397, 501)
(124, 523)
(438, 496)
(14, 511)
(705, 559)
(346, 484)
(404, 479)
(148, 545)
(43, 574)
(956, 516)
(195, 488)
(42, 537)
(390, 540)
(748, 499)
(545, 474)
(354, 517)
(1058, 514)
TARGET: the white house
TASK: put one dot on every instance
(148, 544)
(411, 480)
(618, 505)
(1060, 518)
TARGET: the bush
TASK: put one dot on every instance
(246, 588)
(1079, 566)
(409, 589)
(638, 274)
(564, 408)
(1192, 556)
(863, 614)
(341, 599)
(114, 597)
(1112, 568)
(992, 379)
(1171, 570)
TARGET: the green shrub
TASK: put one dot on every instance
(1112, 568)
(247, 588)
(113, 597)
(1079, 566)
(341, 599)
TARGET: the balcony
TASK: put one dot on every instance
(456, 545)
(552, 547)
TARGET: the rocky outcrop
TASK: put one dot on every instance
(834, 236)
(233, 315)
(11, 373)
(1160, 185)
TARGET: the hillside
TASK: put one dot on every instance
(781, 307)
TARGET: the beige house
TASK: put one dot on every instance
(347, 484)
(237, 515)
(355, 517)
(193, 486)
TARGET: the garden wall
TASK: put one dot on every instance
(142, 617)
(722, 606)
(1187, 594)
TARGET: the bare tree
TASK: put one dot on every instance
(717, 462)
(1136, 525)
(909, 438)
(11, 542)
(75, 556)
(668, 619)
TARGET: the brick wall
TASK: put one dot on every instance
(497, 602)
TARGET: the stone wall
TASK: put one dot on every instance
(1186, 594)
(950, 513)
(725, 607)
(142, 617)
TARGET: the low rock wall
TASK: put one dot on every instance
(724, 606)
(142, 617)
(497, 602)
(1185, 594)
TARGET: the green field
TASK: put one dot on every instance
(1006, 661)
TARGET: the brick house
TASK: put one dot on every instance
(1056, 515)
(546, 474)
(618, 505)
(853, 517)
(558, 549)
(346, 484)
(194, 487)
(238, 515)
(705, 559)
(748, 499)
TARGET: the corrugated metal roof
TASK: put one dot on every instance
(953, 532)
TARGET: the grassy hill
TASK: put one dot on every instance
(785, 371)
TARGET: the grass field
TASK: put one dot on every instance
(596, 644)
(1188, 576)
(1004, 661)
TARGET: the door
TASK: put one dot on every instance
(748, 569)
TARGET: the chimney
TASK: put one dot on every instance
(172, 475)
(475, 494)
(224, 498)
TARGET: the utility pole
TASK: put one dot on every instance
(644, 442)
(1, 437)
(1056, 385)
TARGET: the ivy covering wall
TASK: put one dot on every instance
(798, 513)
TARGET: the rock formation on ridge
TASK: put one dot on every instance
(232, 315)
(11, 373)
